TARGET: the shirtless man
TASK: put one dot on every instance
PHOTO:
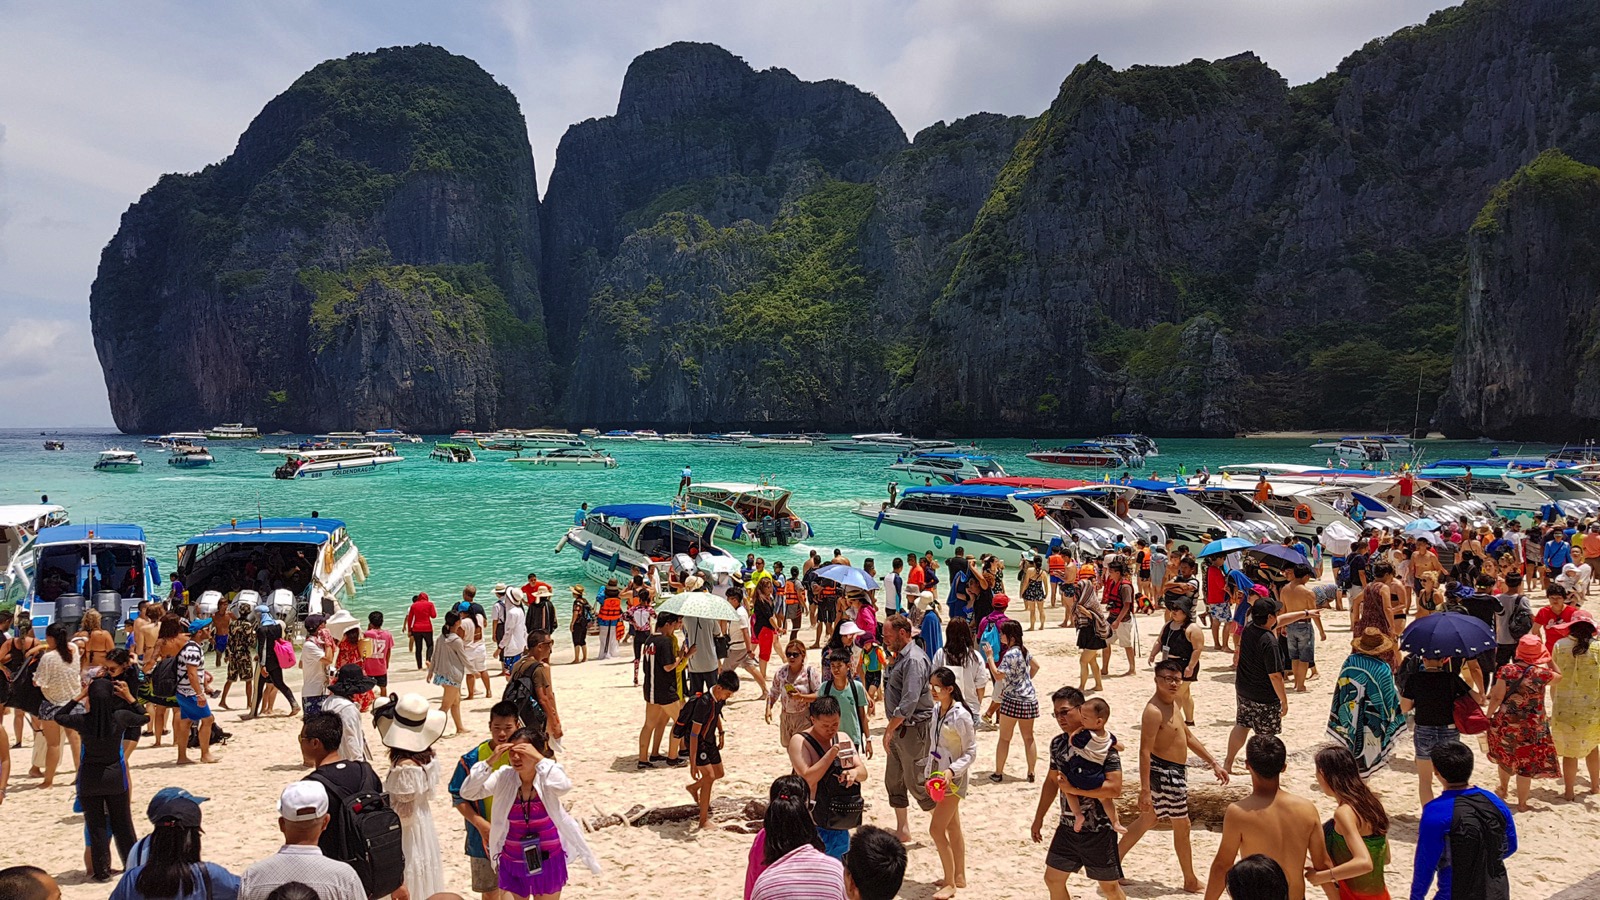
(1269, 821)
(1297, 598)
(146, 629)
(1164, 745)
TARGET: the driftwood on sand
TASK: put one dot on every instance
(733, 813)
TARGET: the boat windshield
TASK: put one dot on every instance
(115, 567)
(664, 539)
(975, 507)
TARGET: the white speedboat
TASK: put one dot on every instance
(79, 567)
(340, 437)
(873, 442)
(1084, 509)
(1394, 445)
(393, 436)
(1087, 455)
(616, 435)
(567, 458)
(945, 467)
(1007, 521)
(20, 525)
(749, 513)
(615, 540)
(1138, 444)
(189, 456)
(168, 441)
(1510, 495)
(1193, 515)
(769, 441)
(703, 440)
(452, 453)
(1362, 450)
(301, 464)
(118, 461)
(313, 561)
(233, 431)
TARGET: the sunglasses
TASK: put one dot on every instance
(794, 655)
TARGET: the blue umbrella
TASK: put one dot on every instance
(1423, 524)
(849, 576)
(1447, 634)
(1278, 551)
(1226, 545)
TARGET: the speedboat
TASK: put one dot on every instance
(616, 435)
(647, 434)
(1006, 521)
(617, 539)
(1083, 508)
(1193, 514)
(313, 560)
(945, 467)
(767, 441)
(1581, 455)
(567, 458)
(341, 437)
(530, 440)
(1572, 494)
(359, 460)
(393, 436)
(189, 456)
(233, 431)
(1141, 445)
(168, 441)
(1362, 450)
(1394, 445)
(78, 567)
(54, 445)
(883, 442)
(452, 453)
(704, 440)
(1492, 482)
(19, 528)
(749, 513)
(118, 461)
(1087, 455)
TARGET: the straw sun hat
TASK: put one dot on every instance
(1373, 642)
(409, 723)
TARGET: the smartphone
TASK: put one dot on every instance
(532, 856)
(789, 688)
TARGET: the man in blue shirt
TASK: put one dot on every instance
(581, 514)
(1465, 835)
(1557, 552)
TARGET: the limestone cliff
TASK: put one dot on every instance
(367, 256)
(1528, 356)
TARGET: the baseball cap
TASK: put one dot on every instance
(178, 811)
(303, 801)
(169, 793)
(199, 624)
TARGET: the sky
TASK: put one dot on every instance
(99, 99)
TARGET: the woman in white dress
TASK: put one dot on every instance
(409, 729)
(952, 746)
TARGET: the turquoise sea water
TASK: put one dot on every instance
(431, 526)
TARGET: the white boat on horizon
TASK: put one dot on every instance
(364, 459)
(233, 431)
(766, 441)
(116, 460)
(567, 458)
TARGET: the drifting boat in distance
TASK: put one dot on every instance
(393, 436)
(1393, 444)
(1088, 455)
(54, 445)
(362, 459)
(567, 458)
(118, 461)
(452, 453)
(749, 513)
(168, 441)
(767, 441)
(946, 467)
(233, 431)
(189, 456)
(616, 539)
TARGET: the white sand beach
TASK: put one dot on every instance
(602, 712)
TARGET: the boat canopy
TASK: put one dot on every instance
(78, 534)
(950, 454)
(739, 488)
(27, 513)
(635, 512)
(1028, 481)
(1507, 462)
(270, 531)
(992, 491)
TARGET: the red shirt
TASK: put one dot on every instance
(916, 578)
(382, 645)
(1555, 627)
(420, 616)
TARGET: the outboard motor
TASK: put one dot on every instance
(109, 604)
(281, 602)
(785, 528)
(69, 610)
(766, 530)
(209, 601)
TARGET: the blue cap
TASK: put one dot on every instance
(169, 793)
(463, 606)
(198, 624)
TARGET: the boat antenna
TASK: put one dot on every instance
(1416, 417)
(260, 524)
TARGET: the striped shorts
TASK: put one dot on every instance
(1169, 788)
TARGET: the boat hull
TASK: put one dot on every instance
(118, 467)
(548, 463)
(189, 462)
(1077, 460)
(922, 537)
(341, 470)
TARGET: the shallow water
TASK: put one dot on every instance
(431, 526)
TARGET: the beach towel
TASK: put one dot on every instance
(1366, 714)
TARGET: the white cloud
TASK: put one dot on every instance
(100, 98)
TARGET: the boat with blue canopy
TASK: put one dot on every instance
(617, 539)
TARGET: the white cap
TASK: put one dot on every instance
(303, 801)
(849, 629)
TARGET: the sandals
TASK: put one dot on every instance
(996, 777)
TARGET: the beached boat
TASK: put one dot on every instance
(20, 525)
(566, 458)
(452, 453)
(1507, 493)
(233, 431)
(189, 456)
(1084, 510)
(359, 460)
(118, 461)
(79, 567)
(749, 513)
(1194, 515)
(945, 467)
(313, 560)
(1087, 455)
(616, 540)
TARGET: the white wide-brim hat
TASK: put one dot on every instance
(341, 622)
(409, 723)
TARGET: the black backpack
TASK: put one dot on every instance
(365, 830)
(519, 692)
(686, 716)
(838, 807)
(164, 678)
(23, 694)
(1521, 621)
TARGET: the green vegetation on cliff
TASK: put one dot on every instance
(1552, 177)
(463, 301)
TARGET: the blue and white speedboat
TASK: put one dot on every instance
(79, 567)
(615, 540)
(948, 467)
(313, 559)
